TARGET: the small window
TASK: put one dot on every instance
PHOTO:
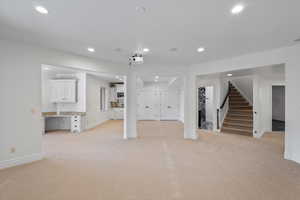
(103, 102)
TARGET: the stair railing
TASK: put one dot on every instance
(221, 112)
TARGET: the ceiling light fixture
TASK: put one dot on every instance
(146, 50)
(90, 49)
(156, 77)
(229, 75)
(173, 49)
(118, 49)
(140, 9)
(41, 9)
(237, 9)
(201, 49)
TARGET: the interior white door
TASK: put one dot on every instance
(169, 109)
(148, 105)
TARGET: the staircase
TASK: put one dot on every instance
(239, 119)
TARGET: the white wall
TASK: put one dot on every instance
(223, 90)
(288, 56)
(278, 103)
(262, 102)
(21, 105)
(181, 105)
(94, 116)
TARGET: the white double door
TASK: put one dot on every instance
(158, 105)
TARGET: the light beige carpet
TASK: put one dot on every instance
(160, 165)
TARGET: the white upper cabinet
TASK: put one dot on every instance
(63, 91)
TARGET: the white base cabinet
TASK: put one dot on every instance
(72, 123)
(77, 124)
(117, 113)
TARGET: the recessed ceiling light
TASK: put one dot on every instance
(173, 49)
(156, 77)
(146, 50)
(140, 9)
(41, 9)
(237, 9)
(201, 49)
(90, 49)
(229, 75)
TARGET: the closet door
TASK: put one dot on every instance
(169, 105)
(148, 105)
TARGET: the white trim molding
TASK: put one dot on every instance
(21, 160)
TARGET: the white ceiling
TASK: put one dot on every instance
(74, 25)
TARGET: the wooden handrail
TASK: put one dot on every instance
(222, 106)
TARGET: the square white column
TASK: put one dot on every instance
(130, 109)
(190, 107)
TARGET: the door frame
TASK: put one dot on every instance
(278, 83)
(215, 102)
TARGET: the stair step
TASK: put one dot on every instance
(232, 105)
(240, 111)
(235, 95)
(238, 120)
(244, 126)
(237, 131)
(240, 107)
(239, 102)
(236, 98)
(239, 116)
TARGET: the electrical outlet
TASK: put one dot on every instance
(12, 150)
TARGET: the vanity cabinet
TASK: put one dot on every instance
(63, 91)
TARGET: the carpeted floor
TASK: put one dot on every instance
(160, 165)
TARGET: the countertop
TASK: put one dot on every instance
(62, 114)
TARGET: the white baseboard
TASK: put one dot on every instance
(90, 126)
(21, 160)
